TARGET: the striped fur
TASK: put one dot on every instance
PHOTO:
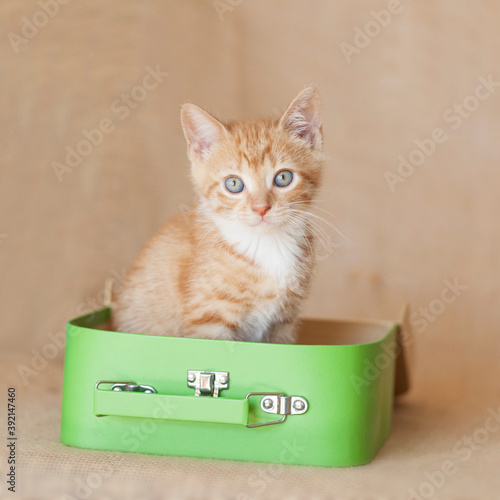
(223, 270)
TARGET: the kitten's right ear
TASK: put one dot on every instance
(303, 117)
(202, 130)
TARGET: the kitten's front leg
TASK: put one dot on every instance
(210, 331)
(284, 333)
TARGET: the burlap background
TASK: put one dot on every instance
(65, 73)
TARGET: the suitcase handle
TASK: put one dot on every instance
(142, 402)
(162, 406)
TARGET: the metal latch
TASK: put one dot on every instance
(127, 386)
(131, 387)
(279, 404)
(118, 385)
(207, 383)
(284, 405)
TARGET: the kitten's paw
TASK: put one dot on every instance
(284, 334)
(213, 332)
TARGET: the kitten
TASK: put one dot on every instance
(237, 266)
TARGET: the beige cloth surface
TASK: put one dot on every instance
(450, 420)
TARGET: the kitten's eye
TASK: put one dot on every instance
(234, 184)
(283, 178)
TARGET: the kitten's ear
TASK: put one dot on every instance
(303, 117)
(201, 130)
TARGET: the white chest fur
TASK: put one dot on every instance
(276, 251)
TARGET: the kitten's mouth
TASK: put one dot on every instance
(260, 222)
(263, 223)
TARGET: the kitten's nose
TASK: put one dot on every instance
(261, 209)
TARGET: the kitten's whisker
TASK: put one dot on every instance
(299, 203)
(306, 202)
(318, 231)
(302, 215)
(201, 240)
(322, 237)
(215, 240)
(189, 212)
(299, 228)
(309, 204)
(322, 219)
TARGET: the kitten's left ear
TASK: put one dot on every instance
(303, 117)
(202, 130)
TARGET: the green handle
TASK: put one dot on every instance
(160, 406)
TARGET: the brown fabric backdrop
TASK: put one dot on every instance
(63, 73)
(61, 239)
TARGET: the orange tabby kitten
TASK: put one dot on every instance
(238, 265)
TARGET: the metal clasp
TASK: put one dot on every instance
(128, 386)
(133, 388)
(279, 404)
(207, 383)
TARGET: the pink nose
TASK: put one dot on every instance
(261, 209)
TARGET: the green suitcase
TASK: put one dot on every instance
(326, 400)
